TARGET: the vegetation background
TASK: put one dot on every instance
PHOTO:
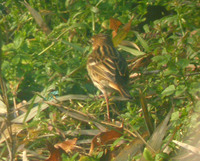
(44, 48)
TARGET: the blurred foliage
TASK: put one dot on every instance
(32, 61)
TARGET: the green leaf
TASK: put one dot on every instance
(8, 47)
(131, 50)
(171, 70)
(147, 155)
(169, 90)
(87, 158)
(122, 33)
(5, 65)
(16, 60)
(175, 116)
(56, 67)
(73, 45)
(146, 28)
(194, 87)
(142, 41)
(161, 59)
(100, 154)
(161, 156)
(180, 90)
(183, 63)
(94, 9)
(26, 60)
(116, 142)
(18, 41)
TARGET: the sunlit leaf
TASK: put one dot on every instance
(147, 155)
(163, 59)
(105, 137)
(94, 9)
(87, 158)
(175, 116)
(161, 156)
(130, 44)
(3, 108)
(8, 47)
(5, 134)
(188, 147)
(114, 25)
(67, 146)
(121, 35)
(18, 41)
(132, 51)
(169, 90)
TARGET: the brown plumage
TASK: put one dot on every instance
(107, 68)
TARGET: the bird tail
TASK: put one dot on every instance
(125, 93)
(121, 90)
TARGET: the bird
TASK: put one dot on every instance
(107, 68)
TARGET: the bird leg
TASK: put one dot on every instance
(107, 105)
(102, 95)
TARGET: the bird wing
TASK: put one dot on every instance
(108, 71)
(101, 69)
(122, 73)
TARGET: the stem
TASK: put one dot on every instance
(11, 149)
(180, 23)
(93, 22)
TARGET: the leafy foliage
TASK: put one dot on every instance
(37, 67)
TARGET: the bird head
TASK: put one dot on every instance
(101, 40)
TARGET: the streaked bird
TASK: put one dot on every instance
(107, 68)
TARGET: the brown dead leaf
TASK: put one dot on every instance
(38, 18)
(14, 129)
(50, 127)
(67, 146)
(105, 138)
(130, 44)
(114, 25)
(121, 35)
(191, 148)
(139, 62)
(156, 139)
(130, 150)
(55, 154)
